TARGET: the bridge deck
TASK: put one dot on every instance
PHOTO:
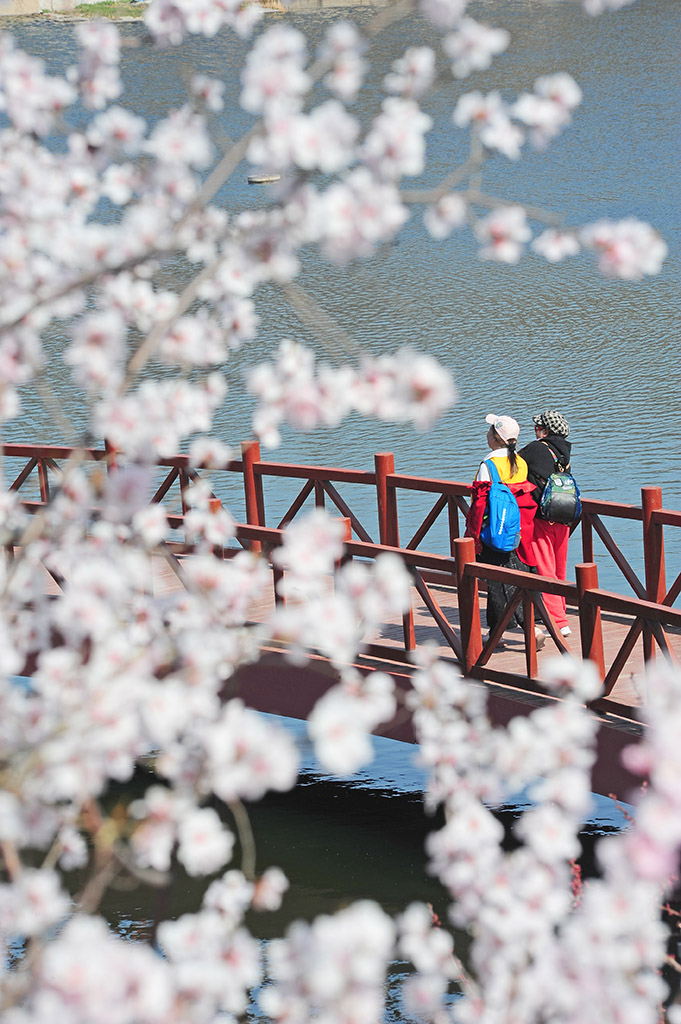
(628, 690)
(275, 686)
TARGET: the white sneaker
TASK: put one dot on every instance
(566, 631)
(539, 638)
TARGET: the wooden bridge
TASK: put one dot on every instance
(619, 632)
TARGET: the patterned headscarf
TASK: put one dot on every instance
(552, 421)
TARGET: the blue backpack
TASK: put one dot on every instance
(501, 525)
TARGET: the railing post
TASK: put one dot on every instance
(590, 625)
(111, 451)
(250, 454)
(183, 480)
(653, 555)
(453, 519)
(215, 506)
(469, 605)
(587, 538)
(43, 480)
(388, 528)
(347, 536)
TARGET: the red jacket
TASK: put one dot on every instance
(528, 509)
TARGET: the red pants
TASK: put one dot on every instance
(550, 548)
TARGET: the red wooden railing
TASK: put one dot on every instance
(650, 609)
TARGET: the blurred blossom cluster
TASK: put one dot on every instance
(119, 678)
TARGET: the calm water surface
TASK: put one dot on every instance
(518, 339)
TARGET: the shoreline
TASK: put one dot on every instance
(117, 10)
(130, 12)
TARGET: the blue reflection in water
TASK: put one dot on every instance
(395, 769)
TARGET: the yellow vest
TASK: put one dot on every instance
(504, 469)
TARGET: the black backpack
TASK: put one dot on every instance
(560, 501)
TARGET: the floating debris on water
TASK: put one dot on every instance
(263, 179)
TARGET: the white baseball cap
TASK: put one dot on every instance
(505, 426)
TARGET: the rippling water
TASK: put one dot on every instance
(518, 339)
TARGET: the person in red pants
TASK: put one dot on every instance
(548, 452)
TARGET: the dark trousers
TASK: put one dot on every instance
(499, 594)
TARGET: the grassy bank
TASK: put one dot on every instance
(111, 9)
(129, 9)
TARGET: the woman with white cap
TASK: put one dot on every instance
(502, 438)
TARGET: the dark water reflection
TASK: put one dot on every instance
(339, 841)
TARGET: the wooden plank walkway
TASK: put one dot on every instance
(276, 685)
(629, 690)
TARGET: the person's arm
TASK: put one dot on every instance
(476, 512)
(540, 465)
(483, 472)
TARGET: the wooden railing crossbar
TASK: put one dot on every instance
(297, 504)
(613, 509)
(622, 656)
(425, 526)
(165, 486)
(617, 556)
(24, 474)
(499, 629)
(673, 591)
(346, 511)
(437, 613)
(649, 610)
(666, 517)
(294, 471)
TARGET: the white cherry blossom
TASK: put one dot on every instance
(269, 889)
(503, 234)
(595, 7)
(473, 45)
(204, 843)
(322, 140)
(547, 110)
(343, 48)
(170, 21)
(409, 386)
(554, 245)
(359, 213)
(490, 117)
(209, 452)
(209, 90)
(342, 719)
(153, 418)
(413, 73)
(395, 146)
(447, 213)
(97, 74)
(307, 977)
(246, 756)
(629, 248)
(35, 902)
(274, 71)
(443, 13)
